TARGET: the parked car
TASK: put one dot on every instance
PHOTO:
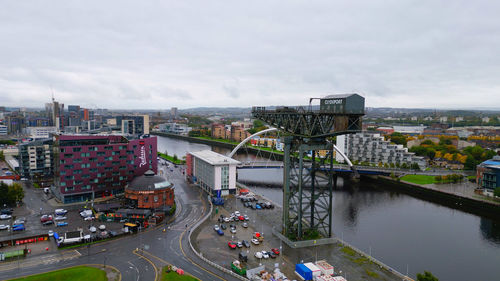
(265, 254)
(7, 211)
(237, 213)
(258, 255)
(47, 222)
(60, 218)
(271, 254)
(226, 219)
(19, 221)
(92, 229)
(102, 227)
(257, 206)
(4, 226)
(45, 218)
(231, 245)
(50, 233)
(18, 227)
(241, 218)
(60, 212)
(232, 225)
(61, 224)
(245, 243)
(5, 217)
(220, 232)
(233, 230)
(255, 241)
(86, 213)
(223, 226)
(275, 251)
(245, 225)
(91, 218)
(247, 218)
(216, 227)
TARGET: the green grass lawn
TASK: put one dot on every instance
(174, 276)
(77, 273)
(419, 179)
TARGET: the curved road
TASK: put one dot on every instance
(140, 256)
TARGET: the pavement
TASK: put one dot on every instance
(137, 257)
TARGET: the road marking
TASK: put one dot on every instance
(189, 259)
(148, 260)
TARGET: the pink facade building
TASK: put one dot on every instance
(87, 167)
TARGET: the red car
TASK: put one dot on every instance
(275, 251)
(231, 244)
(241, 218)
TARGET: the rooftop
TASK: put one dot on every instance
(149, 181)
(214, 158)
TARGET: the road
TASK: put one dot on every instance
(140, 256)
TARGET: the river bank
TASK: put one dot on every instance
(451, 198)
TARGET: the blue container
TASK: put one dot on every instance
(304, 271)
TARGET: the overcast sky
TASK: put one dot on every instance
(160, 54)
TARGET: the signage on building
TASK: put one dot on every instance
(142, 155)
(337, 101)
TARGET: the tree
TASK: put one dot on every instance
(426, 276)
(175, 158)
(2, 157)
(496, 192)
(438, 178)
(398, 138)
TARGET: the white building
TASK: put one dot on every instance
(459, 119)
(213, 172)
(409, 129)
(40, 132)
(174, 128)
(372, 148)
(485, 119)
(443, 119)
(3, 130)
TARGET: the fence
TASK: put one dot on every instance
(200, 255)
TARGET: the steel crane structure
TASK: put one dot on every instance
(308, 177)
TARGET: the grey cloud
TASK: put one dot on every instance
(128, 54)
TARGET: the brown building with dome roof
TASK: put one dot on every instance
(150, 191)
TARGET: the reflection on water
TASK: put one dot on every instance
(400, 230)
(490, 230)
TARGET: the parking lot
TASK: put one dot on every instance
(215, 247)
(35, 204)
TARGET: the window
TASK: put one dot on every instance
(77, 149)
(69, 188)
(92, 148)
(63, 183)
(155, 198)
(101, 153)
(86, 165)
(108, 148)
(77, 171)
(77, 160)
(93, 170)
(85, 154)
(100, 164)
(62, 150)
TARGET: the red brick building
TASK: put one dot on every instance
(150, 192)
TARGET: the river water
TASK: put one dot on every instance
(406, 233)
